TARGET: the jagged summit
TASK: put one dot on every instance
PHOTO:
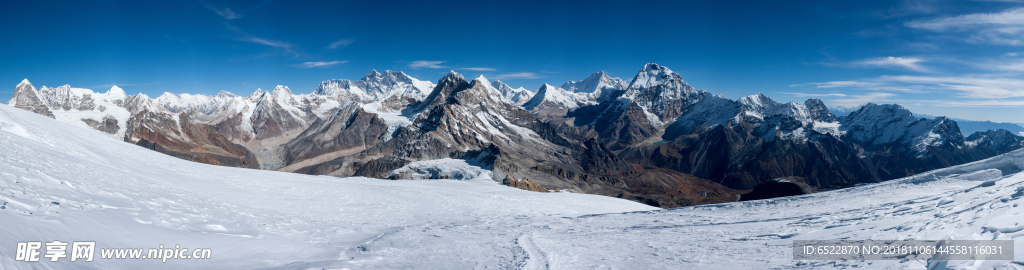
(257, 95)
(517, 96)
(597, 87)
(372, 75)
(226, 94)
(652, 75)
(451, 76)
(558, 97)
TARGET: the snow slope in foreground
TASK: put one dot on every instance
(59, 182)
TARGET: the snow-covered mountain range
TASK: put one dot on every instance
(123, 196)
(655, 139)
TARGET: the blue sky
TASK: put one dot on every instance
(961, 59)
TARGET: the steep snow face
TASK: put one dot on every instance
(376, 87)
(995, 138)
(517, 96)
(659, 91)
(710, 111)
(788, 118)
(557, 97)
(597, 87)
(120, 195)
(888, 123)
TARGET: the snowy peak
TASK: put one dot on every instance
(517, 96)
(225, 94)
(116, 93)
(257, 95)
(891, 113)
(483, 80)
(372, 76)
(452, 76)
(376, 87)
(652, 75)
(660, 92)
(890, 123)
(758, 101)
(555, 96)
(597, 87)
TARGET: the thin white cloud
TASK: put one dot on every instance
(973, 87)
(981, 103)
(814, 95)
(520, 75)
(285, 47)
(226, 12)
(838, 84)
(426, 64)
(321, 64)
(1012, 65)
(856, 100)
(339, 44)
(970, 87)
(910, 63)
(1002, 28)
(479, 69)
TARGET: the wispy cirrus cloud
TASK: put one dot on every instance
(426, 64)
(1001, 28)
(478, 69)
(856, 100)
(339, 44)
(814, 94)
(836, 84)
(520, 75)
(321, 64)
(227, 13)
(910, 63)
(284, 47)
(973, 87)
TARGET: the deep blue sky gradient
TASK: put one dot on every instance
(733, 48)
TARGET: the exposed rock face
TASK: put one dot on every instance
(109, 124)
(27, 98)
(993, 142)
(773, 189)
(186, 139)
(350, 128)
(524, 184)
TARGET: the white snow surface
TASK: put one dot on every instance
(121, 195)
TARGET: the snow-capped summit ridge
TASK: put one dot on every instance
(597, 87)
(651, 75)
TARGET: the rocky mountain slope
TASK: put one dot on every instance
(655, 139)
